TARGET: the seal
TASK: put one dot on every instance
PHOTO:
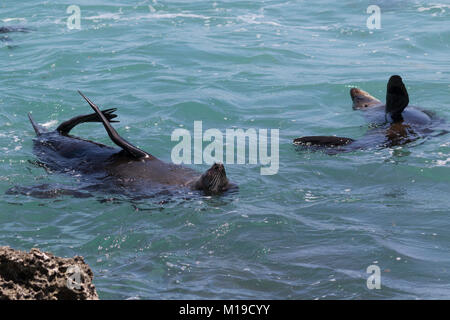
(128, 167)
(393, 123)
(9, 29)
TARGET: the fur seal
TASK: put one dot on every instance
(13, 29)
(9, 29)
(128, 167)
(395, 123)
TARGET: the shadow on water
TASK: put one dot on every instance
(155, 201)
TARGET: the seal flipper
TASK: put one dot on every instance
(115, 137)
(65, 127)
(397, 98)
(37, 128)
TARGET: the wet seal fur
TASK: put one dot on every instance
(125, 168)
(394, 123)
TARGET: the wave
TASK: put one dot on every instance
(104, 16)
(441, 7)
(252, 19)
(14, 19)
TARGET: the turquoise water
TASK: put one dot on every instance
(308, 232)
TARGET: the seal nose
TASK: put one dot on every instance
(218, 167)
(354, 92)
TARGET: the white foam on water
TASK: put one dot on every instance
(254, 19)
(14, 19)
(104, 16)
(168, 16)
(442, 163)
(322, 28)
(247, 18)
(441, 7)
(49, 123)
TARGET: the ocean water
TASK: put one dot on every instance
(308, 232)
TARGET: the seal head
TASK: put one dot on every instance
(214, 180)
(362, 100)
(129, 167)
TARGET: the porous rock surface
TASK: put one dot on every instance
(42, 276)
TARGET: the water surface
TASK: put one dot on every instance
(308, 232)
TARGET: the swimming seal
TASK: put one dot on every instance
(128, 167)
(13, 29)
(394, 123)
(9, 29)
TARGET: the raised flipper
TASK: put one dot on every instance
(65, 127)
(115, 137)
(397, 98)
(37, 128)
(323, 141)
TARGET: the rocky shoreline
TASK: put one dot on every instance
(38, 275)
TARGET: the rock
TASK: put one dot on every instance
(41, 275)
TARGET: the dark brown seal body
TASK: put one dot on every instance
(128, 167)
(394, 123)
